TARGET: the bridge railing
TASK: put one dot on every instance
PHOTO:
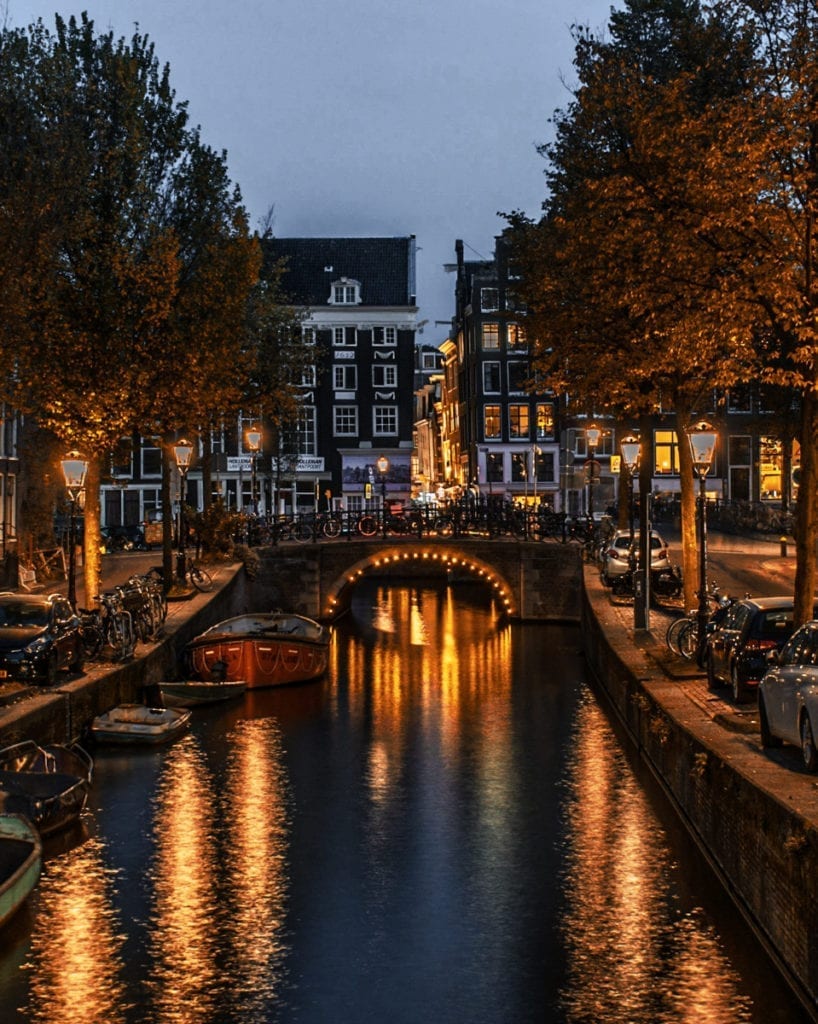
(463, 519)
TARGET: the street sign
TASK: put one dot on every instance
(593, 470)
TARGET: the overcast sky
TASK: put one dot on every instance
(371, 117)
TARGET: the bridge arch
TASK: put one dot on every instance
(432, 559)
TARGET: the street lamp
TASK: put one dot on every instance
(630, 449)
(183, 453)
(383, 469)
(702, 438)
(592, 436)
(74, 467)
(252, 437)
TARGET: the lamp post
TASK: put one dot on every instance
(74, 467)
(485, 452)
(183, 453)
(631, 450)
(592, 436)
(702, 438)
(252, 437)
(383, 469)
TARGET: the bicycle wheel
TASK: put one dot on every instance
(201, 579)
(672, 635)
(367, 526)
(331, 527)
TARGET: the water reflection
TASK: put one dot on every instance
(631, 955)
(76, 946)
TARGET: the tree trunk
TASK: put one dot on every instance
(167, 512)
(92, 543)
(805, 522)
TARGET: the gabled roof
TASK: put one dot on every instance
(385, 268)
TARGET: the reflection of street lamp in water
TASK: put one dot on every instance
(74, 468)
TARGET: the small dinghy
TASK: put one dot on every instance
(138, 724)
(46, 784)
(190, 693)
(21, 858)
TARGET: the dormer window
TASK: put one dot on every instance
(345, 292)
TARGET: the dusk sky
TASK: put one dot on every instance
(373, 117)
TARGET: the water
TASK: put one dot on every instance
(445, 829)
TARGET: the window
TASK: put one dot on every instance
(489, 300)
(518, 417)
(491, 378)
(308, 335)
(771, 464)
(543, 466)
(518, 467)
(345, 292)
(345, 420)
(308, 377)
(344, 377)
(307, 431)
(665, 452)
(545, 420)
(151, 457)
(385, 376)
(490, 337)
(494, 467)
(491, 422)
(516, 339)
(385, 419)
(517, 376)
(343, 337)
(385, 336)
(739, 399)
(430, 360)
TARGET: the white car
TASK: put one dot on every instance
(788, 695)
(616, 554)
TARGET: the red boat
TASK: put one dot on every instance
(262, 649)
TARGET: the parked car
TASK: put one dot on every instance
(736, 650)
(788, 695)
(39, 636)
(616, 554)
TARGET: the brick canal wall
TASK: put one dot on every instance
(761, 844)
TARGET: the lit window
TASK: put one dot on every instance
(518, 421)
(545, 420)
(665, 452)
(345, 420)
(385, 420)
(490, 337)
(516, 337)
(491, 422)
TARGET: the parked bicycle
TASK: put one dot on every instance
(194, 574)
(107, 629)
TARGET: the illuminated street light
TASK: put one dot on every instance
(183, 454)
(631, 450)
(74, 468)
(252, 437)
(383, 469)
(702, 438)
(592, 436)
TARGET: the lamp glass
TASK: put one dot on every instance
(702, 439)
(183, 453)
(592, 436)
(383, 464)
(74, 467)
(253, 438)
(631, 450)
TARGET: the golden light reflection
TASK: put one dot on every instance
(76, 946)
(621, 928)
(184, 934)
(255, 804)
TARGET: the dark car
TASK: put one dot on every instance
(737, 649)
(39, 636)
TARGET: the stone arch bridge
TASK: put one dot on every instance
(531, 580)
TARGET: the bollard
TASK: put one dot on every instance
(783, 541)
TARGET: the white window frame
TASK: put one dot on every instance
(307, 430)
(344, 377)
(345, 292)
(389, 374)
(385, 420)
(309, 378)
(498, 369)
(489, 300)
(344, 337)
(343, 415)
(490, 331)
(385, 337)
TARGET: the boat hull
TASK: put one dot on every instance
(137, 724)
(21, 853)
(262, 650)
(48, 785)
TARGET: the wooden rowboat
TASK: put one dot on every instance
(21, 858)
(189, 693)
(48, 785)
(138, 724)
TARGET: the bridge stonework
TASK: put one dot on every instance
(533, 581)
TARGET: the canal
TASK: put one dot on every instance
(444, 829)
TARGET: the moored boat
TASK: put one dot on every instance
(48, 785)
(262, 649)
(138, 724)
(189, 693)
(21, 857)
